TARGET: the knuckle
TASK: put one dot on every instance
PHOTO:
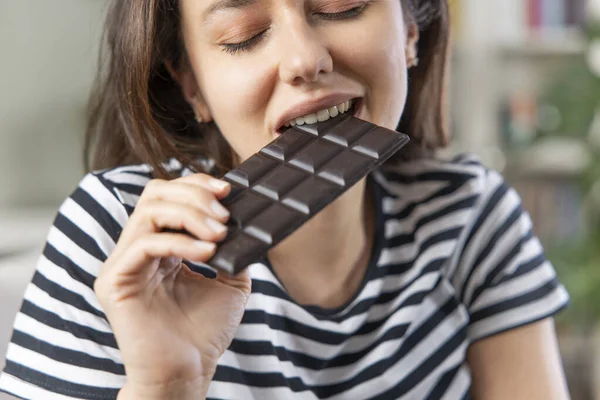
(199, 180)
(200, 176)
(148, 207)
(141, 245)
(144, 243)
(142, 217)
(151, 209)
(198, 193)
(151, 190)
(142, 208)
(197, 213)
(154, 184)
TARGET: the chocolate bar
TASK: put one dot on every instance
(291, 179)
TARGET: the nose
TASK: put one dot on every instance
(304, 56)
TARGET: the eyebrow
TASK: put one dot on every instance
(225, 4)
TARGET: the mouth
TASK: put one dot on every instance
(351, 107)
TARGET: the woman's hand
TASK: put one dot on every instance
(171, 324)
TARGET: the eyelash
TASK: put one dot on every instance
(351, 13)
(247, 45)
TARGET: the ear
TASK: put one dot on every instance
(412, 40)
(189, 88)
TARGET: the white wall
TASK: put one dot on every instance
(48, 51)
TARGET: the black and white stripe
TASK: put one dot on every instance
(455, 260)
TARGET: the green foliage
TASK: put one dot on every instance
(578, 267)
(576, 93)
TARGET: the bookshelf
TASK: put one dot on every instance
(559, 158)
(561, 42)
(504, 54)
(558, 43)
(508, 58)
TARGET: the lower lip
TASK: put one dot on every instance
(357, 108)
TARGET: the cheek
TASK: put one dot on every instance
(390, 56)
(232, 90)
(377, 59)
(391, 84)
(237, 92)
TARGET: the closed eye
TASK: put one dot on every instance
(249, 44)
(351, 13)
(246, 45)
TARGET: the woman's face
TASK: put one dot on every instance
(257, 64)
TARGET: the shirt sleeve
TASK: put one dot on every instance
(62, 346)
(504, 279)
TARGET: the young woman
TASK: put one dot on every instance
(424, 280)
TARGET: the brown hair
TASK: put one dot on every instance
(138, 113)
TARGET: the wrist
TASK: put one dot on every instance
(168, 380)
(180, 390)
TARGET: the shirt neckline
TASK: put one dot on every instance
(376, 191)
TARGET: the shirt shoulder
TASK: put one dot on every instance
(484, 240)
(434, 189)
(438, 204)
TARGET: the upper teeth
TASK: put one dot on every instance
(321, 115)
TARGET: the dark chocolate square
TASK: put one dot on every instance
(273, 224)
(315, 155)
(310, 195)
(247, 206)
(347, 132)
(375, 143)
(346, 168)
(286, 145)
(241, 249)
(236, 191)
(252, 169)
(279, 182)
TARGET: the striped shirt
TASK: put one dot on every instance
(455, 260)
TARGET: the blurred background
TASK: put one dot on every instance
(525, 97)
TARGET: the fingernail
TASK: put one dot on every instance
(206, 246)
(218, 184)
(218, 209)
(216, 226)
